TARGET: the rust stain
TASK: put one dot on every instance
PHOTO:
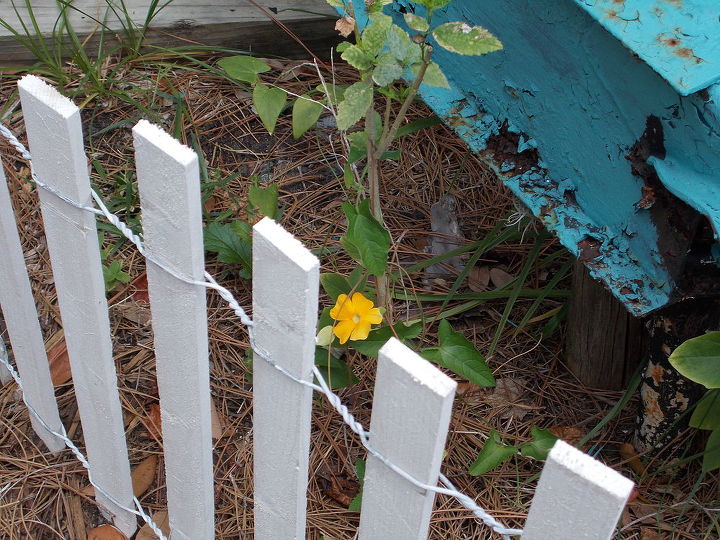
(655, 372)
(647, 199)
(589, 249)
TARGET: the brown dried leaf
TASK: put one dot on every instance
(507, 396)
(153, 422)
(105, 532)
(143, 475)
(161, 520)
(570, 434)
(216, 422)
(629, 454)
(647, 533)
(134, 312)
(58, 359)
(467, 387)
(478, 278)
(342, 491)
(345, 26)
(500, 277)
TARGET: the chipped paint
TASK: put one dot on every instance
(678, 39)
(575, 125)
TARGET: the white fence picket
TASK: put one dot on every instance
(285, 301)
(577, 498)
(410, 418)
(169, 186)
(56, 142)
(20, 315)
(5, 376)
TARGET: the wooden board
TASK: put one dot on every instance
(234, 24)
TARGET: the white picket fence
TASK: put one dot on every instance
(577, 497)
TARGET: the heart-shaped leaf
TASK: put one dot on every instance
(541, 444)
(493, 453)
(305, 114)
(269, 103)
(243, 68)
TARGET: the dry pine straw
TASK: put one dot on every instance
(41, 493)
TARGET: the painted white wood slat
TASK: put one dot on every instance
(285, 301)
(20, 314)
(411, 413)
(577, 498)
(56, 143)
(5, 376)
(169, 186)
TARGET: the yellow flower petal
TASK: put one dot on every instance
(343, 309)
(373, 316)
(361, 331)
(361, 304)
(343, 329)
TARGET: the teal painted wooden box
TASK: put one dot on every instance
(599, 115)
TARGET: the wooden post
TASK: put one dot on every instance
(576, 497)
(604, 342)
(410, 418)
(56, 143)
(169, 186)
(285, 300)
(20, 315)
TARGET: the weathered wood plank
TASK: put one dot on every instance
(18, 308)
(56, 143)
(409, 424)
(169, 186)
(285, 299)
(576, 498)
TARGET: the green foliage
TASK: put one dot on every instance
(356, 503)
(113, 275)
(416, 22)
(698, 359)
(433, 4)
(461, 38)
(493, 453)
(337, 284)
(378, 337)
(335, 372)
(356, 101)
(264, 198)
(541, 444)
(231, 242)
(243, 68)
(305, 114)
(269, 103)
(711, 457)
(366, 240)
(460, 356)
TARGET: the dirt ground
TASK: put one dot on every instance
(41, 495)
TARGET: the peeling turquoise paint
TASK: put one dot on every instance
(557, 111)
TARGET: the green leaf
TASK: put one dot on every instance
(357, 58)
(433, 75)
(324, 319)
(698, 359)
(357, 100)
(433, 4)
(387, 70)
(305, 114)
(375, 6)
(335, 372)
(378, 337)
(230, 243)
(402, 47)
(336, 3)
(460, 356)
(356, 503)
(461, 38)
(493, 453)
(707, 411)
(243, 68)
(334, 285)
(374, 35)
(265, 198)
(711, 457)
(541, 444)
(416, 22)
(335, 92)
(366, 240)
(113, 275)
(269, 103)
(417, 125)
(358, 146)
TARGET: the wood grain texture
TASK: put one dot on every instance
(577, 498)
(604, 342)
(285, 302)
(56, 143)
(18, 309)
(411, 412)
(169, 187)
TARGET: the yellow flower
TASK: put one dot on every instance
(354, 317)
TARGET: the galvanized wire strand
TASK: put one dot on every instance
(232, 302)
